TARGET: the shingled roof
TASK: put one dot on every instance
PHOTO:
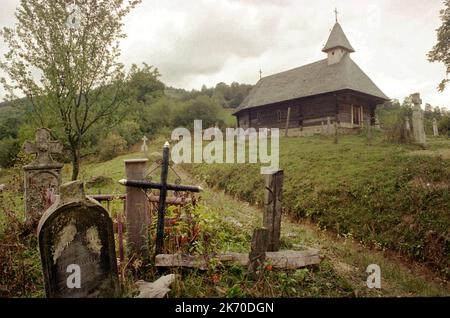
(337, 39)
(312, 79)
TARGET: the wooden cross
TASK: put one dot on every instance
(163, 187)
(43, 147)
(144, 146)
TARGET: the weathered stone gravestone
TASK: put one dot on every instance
(42, 176)
(417, 118)
(377, 122)
(76, 242)
(435, 128)
(144, 147)
(328, 126)
(407, 125)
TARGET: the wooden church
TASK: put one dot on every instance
(332, 89)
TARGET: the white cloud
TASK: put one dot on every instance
(208, 41)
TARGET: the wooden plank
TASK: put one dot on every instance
(279, 260)
(260, 243)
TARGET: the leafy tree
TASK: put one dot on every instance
(441, 51)
(202, 108)
(11, 119)
(145, 83)
(68, 71)
(9, 148)
(444, 126)
(112, 146)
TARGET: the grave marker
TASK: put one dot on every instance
(42, 176)
(435, 128)
(163, 187)
(144, 147)
(417, 117)
(76, 243)
(137, 210)
(377, 122)
(257, 256)
(407, 125)
(328, 125)
(272, 211)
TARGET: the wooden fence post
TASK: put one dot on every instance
(257, 256)
(137, 210)
(288, 119)
(336, 132)
(272, 211)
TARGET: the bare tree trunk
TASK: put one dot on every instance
(75, 162)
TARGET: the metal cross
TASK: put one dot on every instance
(163, 187)
(43, 147)
(336, 13)
(260, 74)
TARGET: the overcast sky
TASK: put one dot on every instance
(196, 42)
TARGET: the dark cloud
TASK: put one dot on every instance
(207, 41)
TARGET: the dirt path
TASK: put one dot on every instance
(349, 259)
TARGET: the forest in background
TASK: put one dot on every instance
(151, 109)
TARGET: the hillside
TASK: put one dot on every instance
(388, 197)
(228, 222)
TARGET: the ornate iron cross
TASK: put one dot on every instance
(163, 187)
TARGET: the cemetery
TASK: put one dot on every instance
(308, 183)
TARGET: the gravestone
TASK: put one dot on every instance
(417, 118)
(42, 176)
(328, 126)
(435, 128)
(369, 130)
(377, 122)
(407, 125)
(144, 147)
(76, 243)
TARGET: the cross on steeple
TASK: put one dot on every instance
(336, 14)
(43, 147)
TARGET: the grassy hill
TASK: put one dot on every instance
(388, 197)
(226, 224)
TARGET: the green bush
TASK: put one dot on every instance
(444, 126)
(377, 194)
(112, 146)
(202, 108)
(9, 148)
(130, 131)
